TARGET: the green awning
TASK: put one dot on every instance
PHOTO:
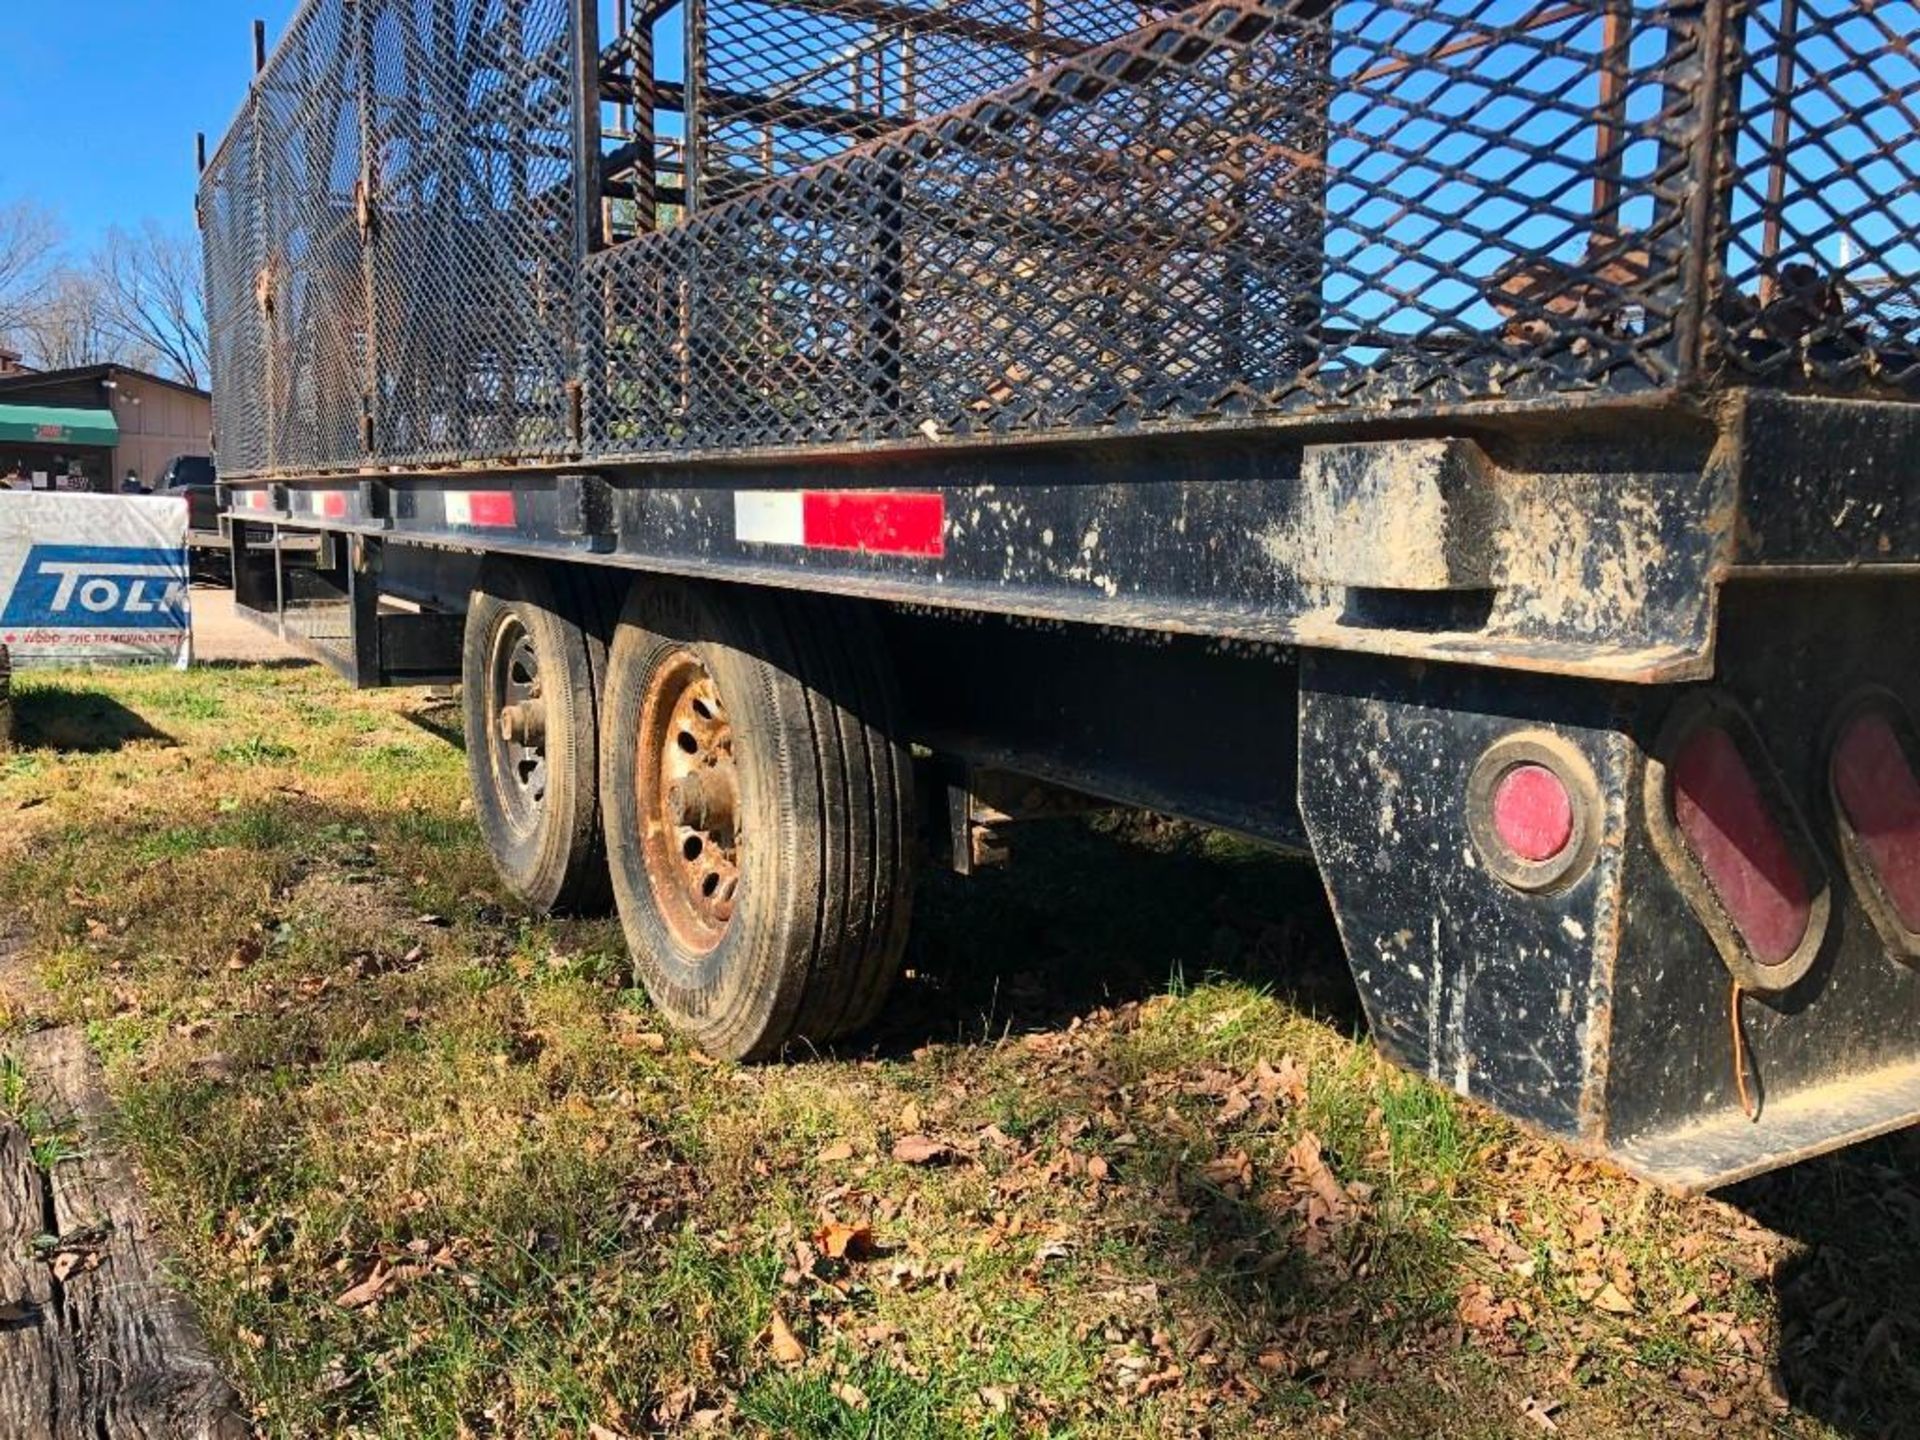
(55, 425)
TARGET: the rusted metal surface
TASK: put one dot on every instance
(517, 752)
(689, 787)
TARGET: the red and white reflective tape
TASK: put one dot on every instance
(880, 522)
(253, 500)
(484, 508)
(330, 504)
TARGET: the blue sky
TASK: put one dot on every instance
(99, 101)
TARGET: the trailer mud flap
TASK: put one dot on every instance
(1641, 919)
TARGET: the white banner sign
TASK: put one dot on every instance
(92, 578)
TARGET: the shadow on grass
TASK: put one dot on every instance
(65, 717)
(1128, 907)
(276, 662)
(1091, 916)
(1849, 1303)
(439, 714)
(1100, 914)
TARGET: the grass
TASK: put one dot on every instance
(49, 1142)
(432, 1168)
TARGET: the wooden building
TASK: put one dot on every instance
(88, 428)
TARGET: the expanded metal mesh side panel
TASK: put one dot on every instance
(390, 246)
(307, 133)
(474, 256)
(230, 241)
(1242, 208)
(783, 84)
(949, 217)
(1821, 261)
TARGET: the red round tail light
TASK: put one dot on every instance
(1533, 813)
(1533, 810)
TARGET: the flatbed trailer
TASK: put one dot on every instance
(1468, 442)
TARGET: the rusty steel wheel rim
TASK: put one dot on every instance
(689, 788)
(516, 711)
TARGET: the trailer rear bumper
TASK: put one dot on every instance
(1717, 987)
(1723, 1148)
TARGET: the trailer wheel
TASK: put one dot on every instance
(758, 813)
(533, 663)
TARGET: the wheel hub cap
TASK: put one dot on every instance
(516, 700)
(689, 788)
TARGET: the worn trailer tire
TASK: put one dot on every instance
(536, 644)
(759, 813)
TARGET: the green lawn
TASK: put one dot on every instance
(433, 1168)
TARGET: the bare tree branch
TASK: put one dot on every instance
(150, 288)
(29, 240)
(68, 326)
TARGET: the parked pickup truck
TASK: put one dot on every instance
(192, 478)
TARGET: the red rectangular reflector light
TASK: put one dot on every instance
(1874, 781)
(485, 508)
(885, 522)
(1720, 811)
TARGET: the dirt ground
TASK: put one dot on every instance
(220, 636)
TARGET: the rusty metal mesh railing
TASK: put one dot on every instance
(914, 219)
(230, 239)
(1821, 259)
(308, 290)
(1240, 207)
(390, 244)
(473, 255)
(783, 84)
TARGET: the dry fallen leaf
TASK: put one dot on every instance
(851, 1395)
(1308, 1158)
(921, 1150)
(1588, 1225)
(910, 1117)
(1609, 1299)
(835, 1153)
(781, 1340)
(367, 1291)
(1235, 1168)
(1480, 1309)
(1286, 1081)
(839, 1241)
